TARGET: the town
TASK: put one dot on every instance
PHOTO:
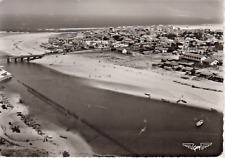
(196, 52)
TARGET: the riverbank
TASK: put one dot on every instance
(110, 122)
(109, 75)
(159, 84)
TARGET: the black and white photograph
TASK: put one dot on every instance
(111, 78)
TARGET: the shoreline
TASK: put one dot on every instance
(22, 135)
(98, 76)
(131, 80)
(122, 79)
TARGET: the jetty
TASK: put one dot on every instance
(23, 58)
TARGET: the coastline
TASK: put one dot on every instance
(179, 119)
(122, 79)
(106, 75)
(22, 135)
(133, 81)
(26, 140)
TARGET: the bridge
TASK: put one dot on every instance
(23, 57)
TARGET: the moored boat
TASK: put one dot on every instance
(4, 75)
(199, 123)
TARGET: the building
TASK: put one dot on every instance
(122, 50)
(52, 40)
(210, 62)
(195, 50)
(171, 63)
(204, 73)
(192, 57)
(189, 64)
(217, 78)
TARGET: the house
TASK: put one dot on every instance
(188, 70)
(192, 57)
(164, 50)
(218, 78)
(160, 64)
(136, 47)
(122, 50)
(210, 62)
(204, 73)
(171, 64)
(178, 68)
(190, 64)
(52, 40)
(195, 50)
(68, 47)
(167, 68)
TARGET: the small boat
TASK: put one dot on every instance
(199, 123)
(181, 100)
(63, 137)
(164, 100)
(148, 94)
(4, 75)
(213, 110)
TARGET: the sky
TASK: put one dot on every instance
(92, 13)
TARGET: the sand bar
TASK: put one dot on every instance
(21, 135)
(159, 84)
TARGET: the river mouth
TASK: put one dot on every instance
(111, 122)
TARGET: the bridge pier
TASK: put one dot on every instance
(22, 58)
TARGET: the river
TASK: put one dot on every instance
(111, 122)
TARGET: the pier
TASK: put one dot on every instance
(23, 58)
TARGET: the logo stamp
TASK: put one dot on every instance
(194, 147)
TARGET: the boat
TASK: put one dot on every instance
(181, 100)
(199, 123)
(4, 75)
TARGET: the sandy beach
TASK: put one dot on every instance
(100, 72)
(21, 135)
(23, 43)
(160, 84)
(136, 82)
